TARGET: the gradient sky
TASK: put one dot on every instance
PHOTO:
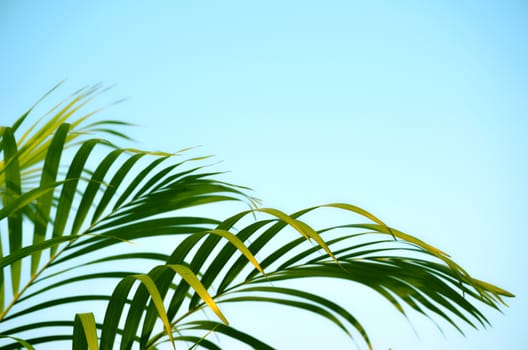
(414, 110)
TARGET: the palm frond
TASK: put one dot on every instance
(88, 199)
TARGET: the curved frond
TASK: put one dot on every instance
(88, 201)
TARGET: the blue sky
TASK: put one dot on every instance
(414, 110)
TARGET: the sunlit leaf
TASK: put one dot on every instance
(84, 332)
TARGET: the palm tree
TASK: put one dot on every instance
(73, 201)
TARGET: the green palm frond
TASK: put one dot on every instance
(73, 202)
(402, 271)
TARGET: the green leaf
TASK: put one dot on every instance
(68, 190)
(84, 332)
(239, 245)
(158, 302)
(49, 177)
(10, 197)
(114, 184)
(195, 283)
(117, 302)
(19, 341)
(92, 188)
(303, 228)
(25, 199)
(137, 180)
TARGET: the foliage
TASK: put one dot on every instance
(73, 202)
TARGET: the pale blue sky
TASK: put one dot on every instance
(415, 110)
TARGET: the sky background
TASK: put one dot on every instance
(413, 110)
